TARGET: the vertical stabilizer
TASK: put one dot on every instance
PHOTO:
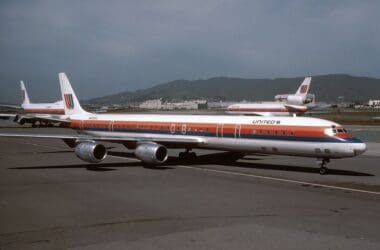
(70, 100)
(24, 94)
(304, 88)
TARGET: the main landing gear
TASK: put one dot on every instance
(322, 166)
(187, 156)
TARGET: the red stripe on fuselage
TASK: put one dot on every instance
(45, 111)
(267, 109)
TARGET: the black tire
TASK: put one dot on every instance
(323, 171)
(181, 156)
(192, 157)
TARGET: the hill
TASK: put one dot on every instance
(325, 87)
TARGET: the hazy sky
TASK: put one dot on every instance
(111, 46)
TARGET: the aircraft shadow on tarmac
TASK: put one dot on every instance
(224, 158)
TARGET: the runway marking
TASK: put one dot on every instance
(280, 179)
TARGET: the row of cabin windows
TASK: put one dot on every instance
(173, 128)
(181, 128)
(272, 132)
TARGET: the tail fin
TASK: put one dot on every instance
(304, 87)
(70, 100)
(24, 94)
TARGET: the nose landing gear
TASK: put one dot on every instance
(322, 165)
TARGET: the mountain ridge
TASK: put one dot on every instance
(325, 87)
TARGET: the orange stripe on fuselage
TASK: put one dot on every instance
(267, 109)
(45, 111)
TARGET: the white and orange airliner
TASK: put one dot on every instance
(286, 104)
(151, 135)
(37, 113)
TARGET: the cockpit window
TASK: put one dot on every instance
(334, 130)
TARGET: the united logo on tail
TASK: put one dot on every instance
(69, 101)
(304, 89)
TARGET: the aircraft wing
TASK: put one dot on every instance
(7, 116)
(44, 118)
(295, 108)
(71, 139)
(252, 113)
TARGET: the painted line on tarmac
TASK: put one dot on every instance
(280, 179)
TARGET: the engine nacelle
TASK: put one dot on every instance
(91, 152)
(295, 100)
(151, 153)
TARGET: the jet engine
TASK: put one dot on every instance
(295, 100)
(151, 153)
(91, 152)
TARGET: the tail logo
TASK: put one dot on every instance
(69, 101)
(304, 89)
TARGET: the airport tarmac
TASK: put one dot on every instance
(50, 199)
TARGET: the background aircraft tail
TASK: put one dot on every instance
(70, 100)
(304, 87)
(24, 94)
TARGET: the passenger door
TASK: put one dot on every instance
(219, 130)
(237, 130)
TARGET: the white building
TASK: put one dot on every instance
(374, 103)
(151, 104)
(158, 104)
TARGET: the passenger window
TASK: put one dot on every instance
(291, 133)
(340, 130)
(268, 132)
(283, 132)
(275, 132)
(334, 131)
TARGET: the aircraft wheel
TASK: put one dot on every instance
(323, 170)
(192, 156)
(181, 156)
(187, 157)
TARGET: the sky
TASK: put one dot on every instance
(106, 47)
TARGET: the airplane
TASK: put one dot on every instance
(286, 104)
(150, 135)
(301, 97)
(43, 114)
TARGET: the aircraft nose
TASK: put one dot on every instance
(359, 148)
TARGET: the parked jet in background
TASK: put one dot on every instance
(42, 114)
(151, 135)
(292, 104)
(301, 97)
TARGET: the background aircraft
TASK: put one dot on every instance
(287, 104)
(41, 114)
